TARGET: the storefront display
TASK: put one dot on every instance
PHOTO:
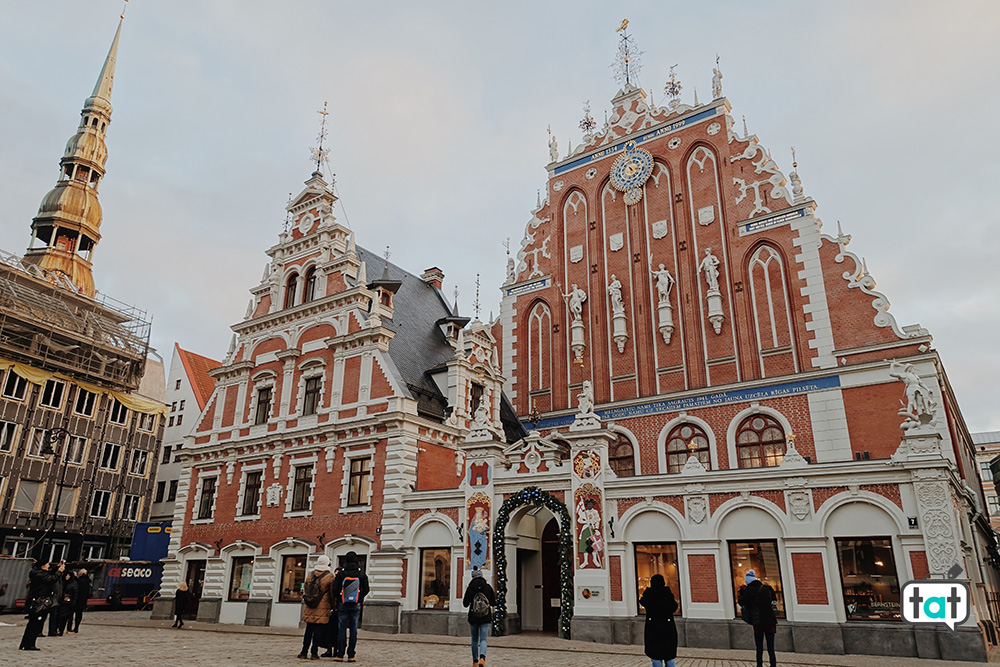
(868, 577)
(657, 558)
(762, 558)
(435, 578)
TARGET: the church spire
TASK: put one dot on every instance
(67, 227)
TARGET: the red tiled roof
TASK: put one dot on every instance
(197, 368)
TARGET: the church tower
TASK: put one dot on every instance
(67, 227)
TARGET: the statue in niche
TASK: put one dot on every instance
(918, 394)
(710, 265)
(585, 399)
(576, 298)
(664, 283)
(482, 414)
(615, 292)
(716, 83)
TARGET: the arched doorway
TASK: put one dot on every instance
(551, 523)
(537, 589)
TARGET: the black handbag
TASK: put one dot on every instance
(42, 605)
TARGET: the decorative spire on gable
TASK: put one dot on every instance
(627, 61)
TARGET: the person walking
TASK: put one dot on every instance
(181, 599)
(67, 603)
(661, 632)
(480, 599)
(350, 588)
(83, 590)
(318, 599)
(756, 602)
(41, 593)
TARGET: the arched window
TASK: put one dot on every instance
(539, 348)
(290, 288)
(760, 442)
(309, 292)
(621, 457)
(686, 439)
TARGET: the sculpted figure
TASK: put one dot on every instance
(553, 149)
(615, 292)
(576, 298)
(585, 399)
(716, 83)
(918, 394)
(664, 282)
(710, 265)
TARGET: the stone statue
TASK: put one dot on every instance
(511, 274)
(482, 414)
(615, 292)
(716, 83)
(797, 191)
(918, 394)
(576, 298)
(664, 283)
(553, 149)
(585, 399)
(710, 265)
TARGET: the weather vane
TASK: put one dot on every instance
(476, 305)
(124, 7)
(288, 214)
(319, 153)
(794, 163)
(673, 88)
(588, 124)
(626, 63)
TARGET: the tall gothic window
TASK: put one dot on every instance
(621, 457)
(684, 440)
(290, 288)
(760, 442)
(309, 292)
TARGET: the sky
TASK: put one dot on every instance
(437, 135)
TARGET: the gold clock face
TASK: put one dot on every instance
(632, 169)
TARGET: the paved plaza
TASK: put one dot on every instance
(130, 638)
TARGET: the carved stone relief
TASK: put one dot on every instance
(697, 509)
(660, 229)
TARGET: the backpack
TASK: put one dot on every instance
(480, 607)
(746, 601)
(350, 591)
(313, 592)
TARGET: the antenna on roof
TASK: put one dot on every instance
(319, 153)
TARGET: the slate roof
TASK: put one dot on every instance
(197, 368)
(986, 438)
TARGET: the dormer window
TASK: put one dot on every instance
(290, 289)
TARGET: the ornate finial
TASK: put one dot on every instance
(746, 132)
(794, 163)
(288, 214)
(534, 416)
(319, 153)
(124, 7)
(475, 304)
(455, 292)
(626, 63)
(588, 124)
(673, 88)
(696, 95)
(605, 117)
(798, 194)
(842, 238)
(506, 245)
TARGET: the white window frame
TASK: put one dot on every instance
(290, 489)
(58, 391)
(89, 402)
(345, 488)
(37, 438)
(142, 455)
(147, 421)
(81, 452)
(102, 493)
(20, 388)
(20, 548)
(118, 457)
(308, 370)
(131, 502)
(92, 551)
(8, 437)
(122, 414)
(244, 473)
(213, 473)
(266, 383)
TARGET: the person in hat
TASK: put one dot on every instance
(350, 587)
(318, 616)
(756, 600)
(480, 599)
(41, 600)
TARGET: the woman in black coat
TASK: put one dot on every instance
(181, 600)
(67, 602)
(41, 587)
(661, 632)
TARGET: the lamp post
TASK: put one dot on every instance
(47, 450)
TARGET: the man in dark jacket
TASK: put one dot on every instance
(67, 602)
(349, 589)
(41, 586)
(54, 611)
(83, 590)
(756, 599)
(480, 619)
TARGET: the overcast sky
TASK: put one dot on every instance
(438, 114)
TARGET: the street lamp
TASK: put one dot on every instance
(47, 450)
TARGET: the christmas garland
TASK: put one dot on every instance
(532, 495)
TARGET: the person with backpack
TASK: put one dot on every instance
(756, 608)
(660, 635)
(350, 587)
(480, 599)
(317, 596)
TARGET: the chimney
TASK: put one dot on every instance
(433, 277)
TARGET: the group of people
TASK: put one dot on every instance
(756, 600)
(58, 594)
(333, 608)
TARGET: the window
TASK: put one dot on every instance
(17, 548)
(309, 292)
(140, 459)
(310, 401)
(15, 386)
(119, 413)
(37, 443)
(67, 500)
(994, 504)
(172, 493)
(435, 578)
(760, 442)
(475, 396)
(985, 465)
(290, 286)
(684, 440)
(100, 504)
(293, 578)
(92, 552)
(762, 558)
(301, 488)
(263, 405)
(161, 488)
(206, 504)
(180, 418)
(251, 494)
(239, 580)
(171, 421)
(52, 394)
(621, 457)
(57, 551)
(147, 422)
(84, 403)
(868, 577)
(130, 507)
(359, 482)
(110, 456)
(656, 558)
(8, 432)
(28, 493)
(181, 406)
(173, 406)
(76, 447)
(177, 385)
(166, 455)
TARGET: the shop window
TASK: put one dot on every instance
(239, 579)
(621, 457)
(302, 488)
(263, 406)
(52, 394)
(657, 558)
(84, 404)
(760, 442)
(8, 432)
(310, 399)
(868, 577)
(684, 440)
(762, 558)
(15, 386)
(251, 494)
(359, 482)
(206, 503)
(435, 578)
(293, 577)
